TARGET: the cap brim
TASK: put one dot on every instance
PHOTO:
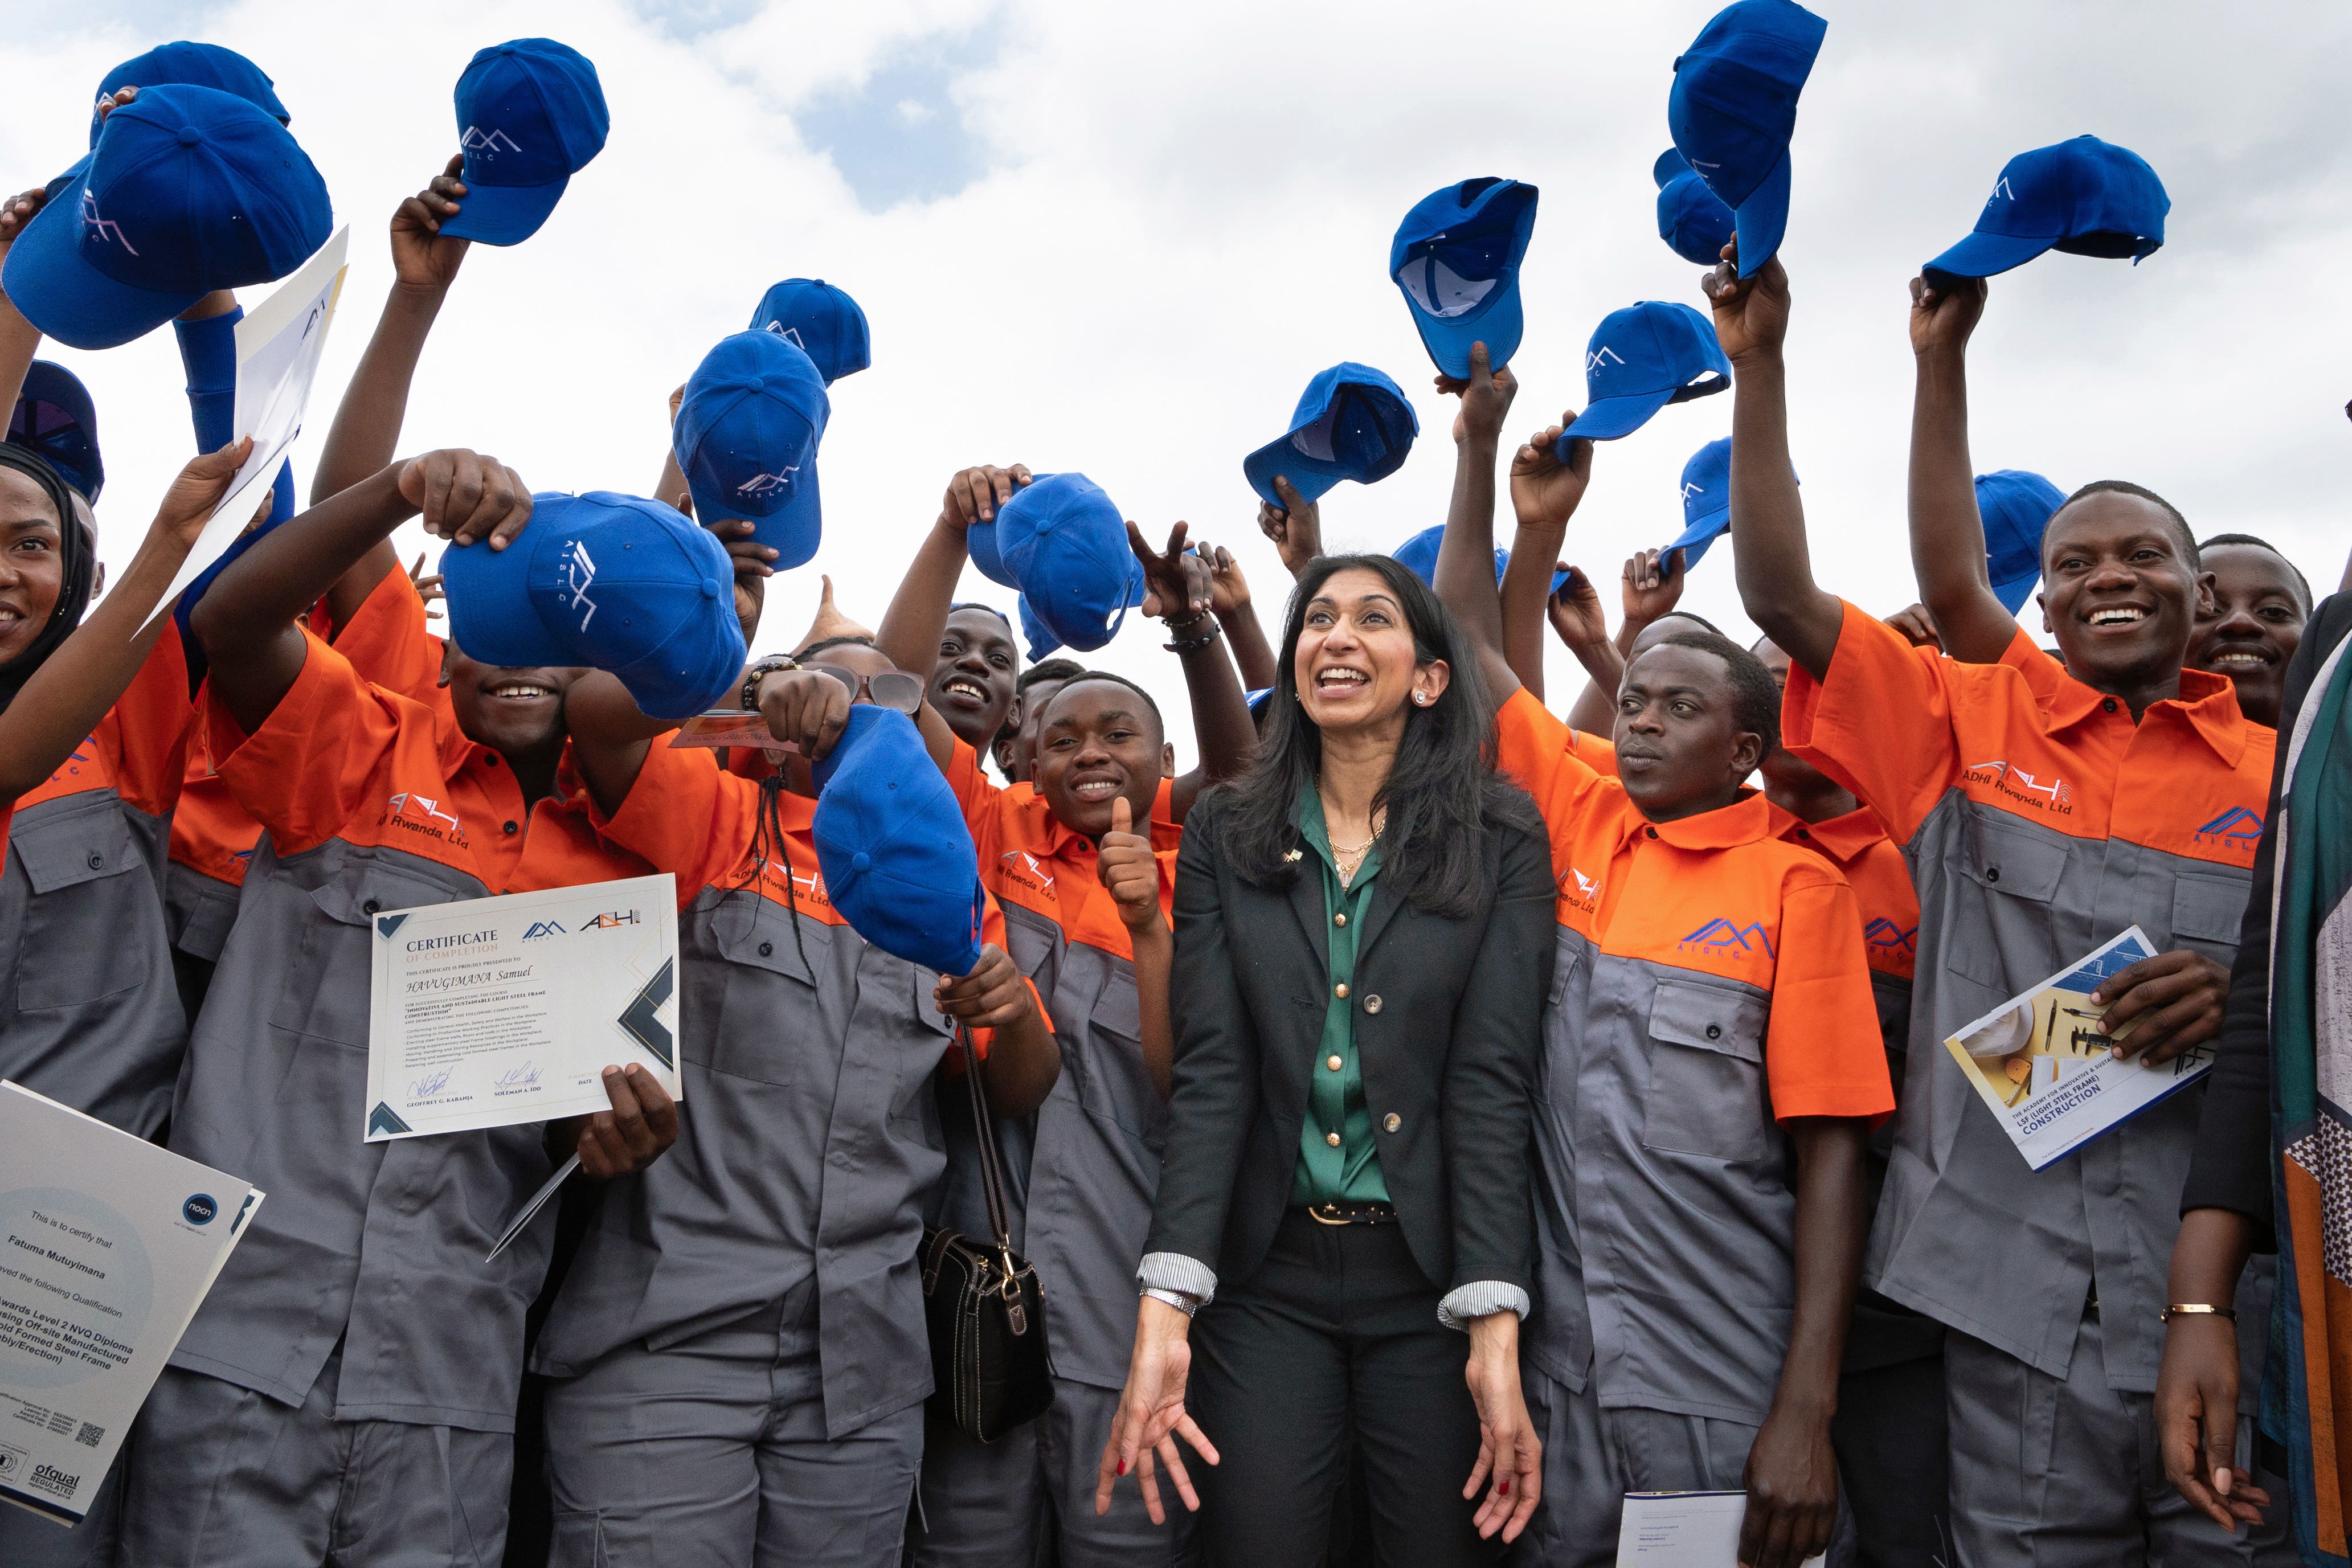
(503, 215)
(979, 543)
(1762, 219)
(68, 299)
(1311, 478)
(1498, 324)
(1696, 536)
(491, 618)
(1613, 417)
(1983, 254)
(2017, 590)
(795, 530)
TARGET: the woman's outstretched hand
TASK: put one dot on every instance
(1151, 1412)
(1509, 1452)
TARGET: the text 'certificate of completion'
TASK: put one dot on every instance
(496, 1010)
(108, 1245)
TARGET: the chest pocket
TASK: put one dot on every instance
(324, 994)
(772, 1024)
(1706, 1073)
(1113, 1082)
(2207, 912)
(2016, 876)
(91, 901)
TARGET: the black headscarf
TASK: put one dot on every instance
(77, 547)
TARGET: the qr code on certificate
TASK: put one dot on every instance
(90, 1435)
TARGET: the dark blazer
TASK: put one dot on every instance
(1448, 1027)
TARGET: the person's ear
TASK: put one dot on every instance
(2043, 600)
(1000, 749)
(1430, 681)
(98, 584)
(448, 650)
(1012, 714)
(1168, 760)
(1746, 755)
(2207, 602)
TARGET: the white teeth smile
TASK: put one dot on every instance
(2117, 617)
(962, 688)
(1328, 679)
(2240, 661)
(1096, 790)
(520, 692)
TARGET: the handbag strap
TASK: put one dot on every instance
(991, 1177)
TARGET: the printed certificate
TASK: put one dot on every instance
(108, 1245)
(1684, 1530)
(496, 1010)
(2041, 1067)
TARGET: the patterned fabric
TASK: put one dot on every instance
(2307, 1392)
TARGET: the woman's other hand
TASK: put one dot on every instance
(1152, 1413)
(1509, 1452)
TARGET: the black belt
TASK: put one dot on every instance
(1352, 1212)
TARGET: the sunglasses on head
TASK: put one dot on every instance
(891, 688)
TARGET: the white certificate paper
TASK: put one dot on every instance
(1683, 1530)
(496, 1010)
(108, 1245)
(279, 346)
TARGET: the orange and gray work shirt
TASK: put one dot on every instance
(212, 837)
(2039, 821)
(1083, 1193)
(88, 1015)
(1711, 985)
(371, 801)
(810, 1143)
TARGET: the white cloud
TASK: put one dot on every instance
(1184, 212)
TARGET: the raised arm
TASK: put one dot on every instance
(56, 708)
(918, 617)
(1545, 493)
(1230, 602)
(366, 432)
(248, 621)
(1947, 543)
(1465, 553)
(1767, 520)
(1222, 725)
(1296, 526)
(19, 339)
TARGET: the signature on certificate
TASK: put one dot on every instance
(432, 1083)
(522, 1077)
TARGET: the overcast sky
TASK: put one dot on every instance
(1120, 240)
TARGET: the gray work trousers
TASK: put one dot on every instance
(713, 1452)
(221, 1475)
(1029, 1496)
(2065, 1472)
(1592, 1457)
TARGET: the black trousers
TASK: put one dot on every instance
(1893, 1455)
(1332, 1351)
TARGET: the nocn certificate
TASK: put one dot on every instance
(496, 1010)
(108, 1245)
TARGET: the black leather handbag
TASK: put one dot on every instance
(991, 1371)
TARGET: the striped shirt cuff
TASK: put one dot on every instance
(1476, 1300)
(1174, 1271)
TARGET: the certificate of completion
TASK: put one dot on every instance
(108, 1245)
(496, 1010)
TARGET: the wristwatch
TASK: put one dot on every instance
(766, 665)
(1183, 1301)
(2195, 1309)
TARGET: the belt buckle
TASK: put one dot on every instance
(1315, 1213)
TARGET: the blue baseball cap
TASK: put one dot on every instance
(1639, 360)
(1692, 219)
(608, 583)
(1351, 422)
(186, 64)
(1707, 500)
(898, 859)
(819, 319)
(530, 114)
(746, 438)
(189, 190)
(1418, 554)
(54, 417)
(2086, 197)
(1733, 109)
(2016, 506)
(1456, 256)
(1063, 543)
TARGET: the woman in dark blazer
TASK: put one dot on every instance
(1363, 946)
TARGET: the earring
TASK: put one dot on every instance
(1422, 698)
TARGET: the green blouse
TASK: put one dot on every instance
(1338, 1162)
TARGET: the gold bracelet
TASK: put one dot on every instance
(2195, 1309)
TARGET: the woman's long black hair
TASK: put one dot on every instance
(1443, 795)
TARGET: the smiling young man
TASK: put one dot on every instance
(1712, 1064)
(2044, 809)
(2254, 623)
(1082, 1173)
(352, 1378)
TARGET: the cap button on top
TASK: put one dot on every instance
(860, 860)
(191, 137)
(709, 588)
